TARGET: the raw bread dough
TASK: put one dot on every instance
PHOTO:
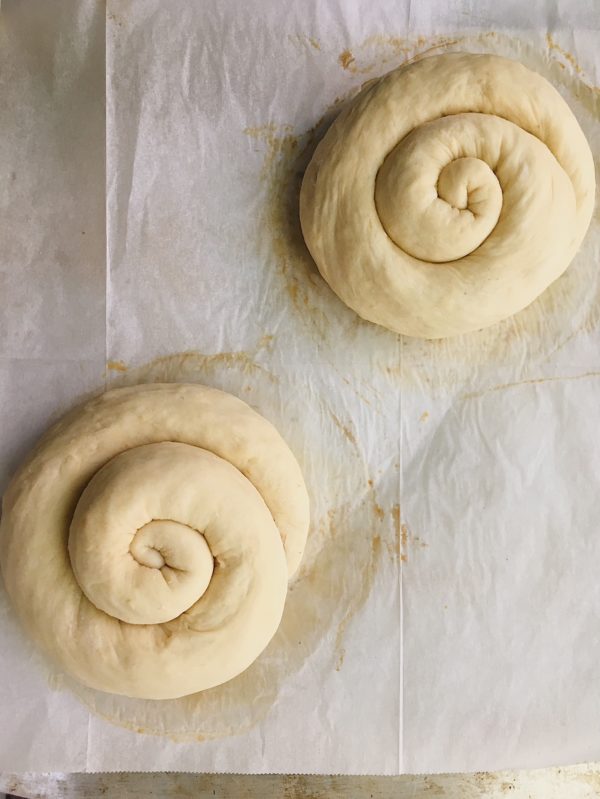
(147, 543)
(448, 195)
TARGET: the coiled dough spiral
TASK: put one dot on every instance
(448, 195)
(147, 543)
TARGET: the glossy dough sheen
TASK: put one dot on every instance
(448, 195)
(147, 543)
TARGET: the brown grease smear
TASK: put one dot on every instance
(286, 156)
(395, 514)
(116, 366)
(532, 382)
(302, 40)
(404, 539)
(424, 416)
(358, 393)
(488, 781)
(552, 45)
(334, 580)
(280, 142)
(346, 59)
(188, 365)
(568, 308)
(344, 428)
(409, 540)
(376, 52)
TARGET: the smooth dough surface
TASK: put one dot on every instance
(448, 195)
(147, 542)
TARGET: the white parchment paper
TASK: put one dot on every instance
(447, 615)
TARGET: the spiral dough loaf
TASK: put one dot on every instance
(448, 195)
(148, 541)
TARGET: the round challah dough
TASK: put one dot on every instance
(147, 542)
(448, 195)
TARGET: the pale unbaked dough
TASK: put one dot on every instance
(448, 195)
(147, 543)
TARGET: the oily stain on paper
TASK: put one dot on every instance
(115, 366)
(379, 52)
(285, 157)
(405, 541)
(187, 365)
(531, 382)
(347, 545)
(567, 309)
